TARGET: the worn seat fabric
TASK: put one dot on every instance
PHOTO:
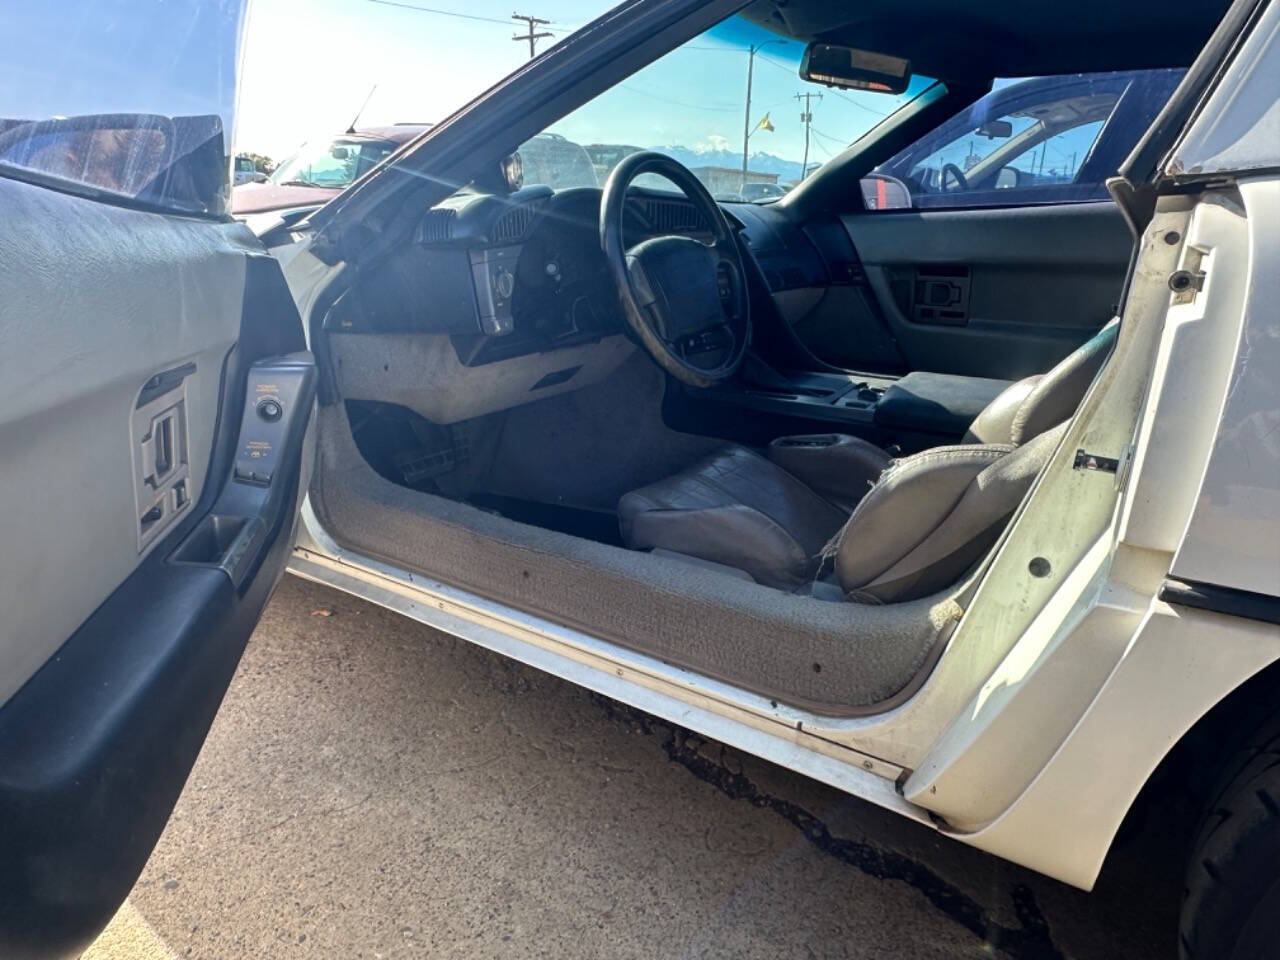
(736, 508)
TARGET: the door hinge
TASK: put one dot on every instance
(1094, 461)
(1118, 467)
(1186, 281)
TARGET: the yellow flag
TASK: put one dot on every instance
(765, 124)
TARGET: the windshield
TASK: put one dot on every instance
(736, 86)
(331, 163)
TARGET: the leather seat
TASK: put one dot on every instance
(893, 530)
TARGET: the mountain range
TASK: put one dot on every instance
(759, 162)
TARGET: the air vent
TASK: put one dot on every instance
(437, 227)
(514, 224)
(672, 216)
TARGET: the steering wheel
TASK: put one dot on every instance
(954, 171)
(685, 300)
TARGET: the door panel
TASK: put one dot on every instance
(77, 347)
(132, 345)
(1000, 293)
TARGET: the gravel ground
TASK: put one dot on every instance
(374, 788)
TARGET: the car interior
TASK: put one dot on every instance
(776, 442)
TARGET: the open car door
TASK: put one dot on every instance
(155, 394)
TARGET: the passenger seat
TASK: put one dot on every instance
(898, 529)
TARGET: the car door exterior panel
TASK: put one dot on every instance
(1005, 292)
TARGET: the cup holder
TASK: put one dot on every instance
(210, 541)
(221, 541)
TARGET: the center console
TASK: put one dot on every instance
(913, 412)
(853, 397)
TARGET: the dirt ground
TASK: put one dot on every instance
(375, 789)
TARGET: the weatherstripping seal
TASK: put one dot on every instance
(1216, 599)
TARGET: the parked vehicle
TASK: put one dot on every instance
(1053, 139)
(321, 170)
(969, 509)
(246, 171)
(763, 192)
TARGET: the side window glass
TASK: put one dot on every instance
(1033, 141)
(129, 101)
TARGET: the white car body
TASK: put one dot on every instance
(161, 418)
(1009, 745)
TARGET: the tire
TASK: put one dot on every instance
(1231, 901)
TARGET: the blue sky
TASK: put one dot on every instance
(308, 64)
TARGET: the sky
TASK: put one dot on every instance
(308, 65)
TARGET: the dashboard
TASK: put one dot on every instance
(506, 276)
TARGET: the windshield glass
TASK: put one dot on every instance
(331, 163)
(693, 105)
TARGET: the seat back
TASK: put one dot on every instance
(932, 516)
(1029, 407)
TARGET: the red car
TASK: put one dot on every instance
(322, 169)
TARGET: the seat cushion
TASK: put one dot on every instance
(736, 508)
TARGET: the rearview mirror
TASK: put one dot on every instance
(854, 69)
(995, 130)
(339, 153)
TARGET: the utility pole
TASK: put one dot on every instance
(746, 120)
(531, 36)
(807, 119)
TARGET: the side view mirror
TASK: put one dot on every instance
(852, 69)
(1007, 178)
(883, 192)
(995, 130)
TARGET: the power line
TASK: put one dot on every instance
(442, 13)
(556, 26)
(827, 136)
(835, 93)
(679, 103)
